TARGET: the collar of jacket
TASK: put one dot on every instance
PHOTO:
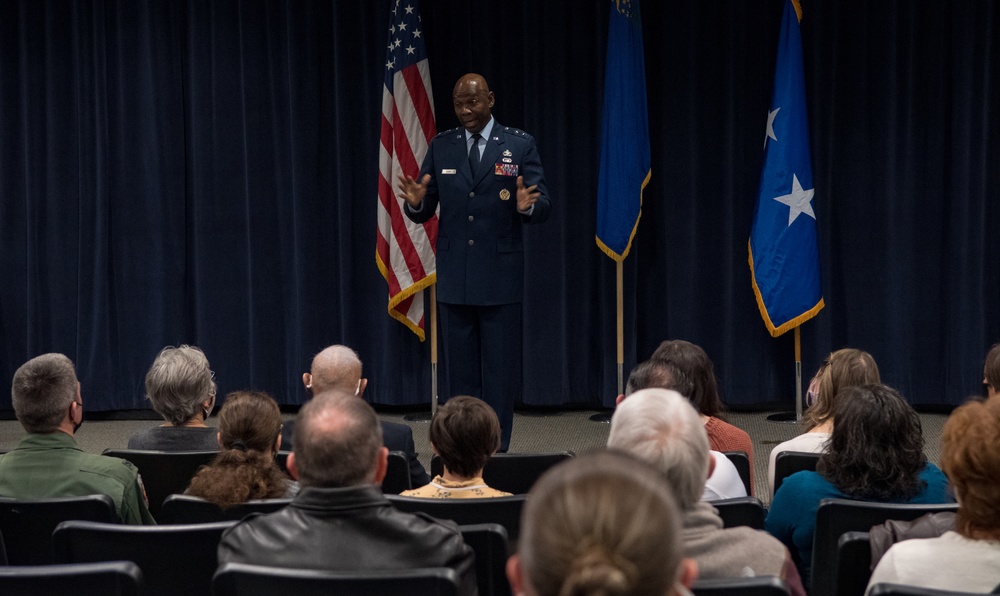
(350, 498)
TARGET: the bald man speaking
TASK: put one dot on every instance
(488, 181)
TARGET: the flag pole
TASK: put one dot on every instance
(798, 374)
(434, 350)
(621, 325)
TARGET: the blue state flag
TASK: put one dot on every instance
(625, 163)
(784, 258)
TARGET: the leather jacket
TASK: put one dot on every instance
(883, 536)
(348, 528)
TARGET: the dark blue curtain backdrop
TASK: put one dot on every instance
(205, 172)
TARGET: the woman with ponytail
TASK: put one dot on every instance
(249, 436)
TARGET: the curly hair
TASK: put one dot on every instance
(876, 450)
(249, 425)
(844, 368)
(970, 457)
(697, 372)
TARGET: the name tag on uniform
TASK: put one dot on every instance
(505, 169)
(447, 171)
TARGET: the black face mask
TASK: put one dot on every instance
(77, 426)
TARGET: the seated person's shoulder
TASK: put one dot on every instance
(109, 467)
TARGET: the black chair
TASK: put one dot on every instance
(185, 509)
(116, 578)
(505, 511)
(743, 586)
(164, 473)
(489, 542)
(901, 590)
(837, 516)
(281, 458)
(512, 472)
(178, 559)
(790, 462)
(853, 565)
(741, 511)
(238, 579)
(27, 524)
(397, 475)
(741, 460)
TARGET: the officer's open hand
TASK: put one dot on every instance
(413, 192)
(526, 197)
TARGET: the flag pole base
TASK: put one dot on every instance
(602, 418)
(783, 417)
(418, 417)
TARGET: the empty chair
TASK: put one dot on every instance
(837, 516)
(238, 579)
(512, 472)
(505, 511)
(744, 586)
(790, 462)
(741, 511)
(164, 473)
(177, 559)
(27, 524)
(185, 509)
(742, 462)
(489, 542)
(116, 578)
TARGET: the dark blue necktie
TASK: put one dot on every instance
(474, 153)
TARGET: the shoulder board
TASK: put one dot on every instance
(448, 132)
(516, 131)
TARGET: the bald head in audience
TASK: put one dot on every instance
(335, 368)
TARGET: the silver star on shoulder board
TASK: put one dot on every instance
(798, 201)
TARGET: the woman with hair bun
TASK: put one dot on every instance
(600, 524)
(249, 436)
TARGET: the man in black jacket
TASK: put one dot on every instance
(340, 520)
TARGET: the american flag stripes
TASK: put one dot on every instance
(405, 250)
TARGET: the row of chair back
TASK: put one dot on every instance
(514, 473)
(27, 524)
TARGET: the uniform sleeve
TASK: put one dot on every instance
(531, 169)
(134, 507)
(429, 206)
(418, 475)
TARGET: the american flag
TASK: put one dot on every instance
(405, 250)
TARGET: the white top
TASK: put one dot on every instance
(948, 562)
(806, 442)
(725, 481)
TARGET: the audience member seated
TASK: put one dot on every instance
(465, 432)
(696, 382)
(875, 453)
(47, 463)
(340, 520)
(249, 436)
(991, 371)
(725, 481)
(967, 559)
(841, 369)
(339, 368)
(662, 428)
(602, 523)
(181, 387)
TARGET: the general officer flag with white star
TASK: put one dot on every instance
(784, 259)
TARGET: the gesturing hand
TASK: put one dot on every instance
(526, 197)
(413, 192)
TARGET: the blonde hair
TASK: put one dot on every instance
(841, 369)
(601, 524)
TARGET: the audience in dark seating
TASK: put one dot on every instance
(967, 559)
(841, 369)
(604, 523)
(340, 520)
(249, 435)
(661, 427)
(182, 389)
(47, 463)
(875, 453)
(465, 432)
(724, 481)
(339, 368)
(694, 378)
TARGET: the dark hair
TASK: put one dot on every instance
(844, 368)
(659, 374)
(337, 440)
(465, 432)
(970, 456)
(876, 450)
(695, 366)
(249, 425)
(991, 369)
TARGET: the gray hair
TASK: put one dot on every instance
(178, 382)
(336, 367)
(42, 389)
(661, 427)
(336, 442)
